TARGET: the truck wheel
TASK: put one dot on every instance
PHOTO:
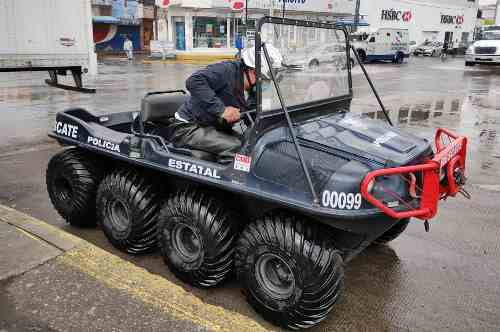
(291, 272)
(127, 210)
(197, 236)
(313, 64)
(362, 55)
(399, 58)
(72, 178)
(393, 232)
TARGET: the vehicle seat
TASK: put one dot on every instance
(156, 110)
(161, 107)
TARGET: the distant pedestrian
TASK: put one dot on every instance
(239, 45)
(128, 47)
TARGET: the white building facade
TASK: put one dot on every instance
(211, 25)
(425, 19)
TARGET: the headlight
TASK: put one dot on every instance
(470, 50)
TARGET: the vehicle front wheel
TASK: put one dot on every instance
(197, 236)
(72, 178)
(291, 272)
(127, 210)
(393, 232)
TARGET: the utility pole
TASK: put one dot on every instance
(356, 16)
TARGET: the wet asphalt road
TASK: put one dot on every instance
(445, 279)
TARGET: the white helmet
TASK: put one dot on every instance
(248, 56)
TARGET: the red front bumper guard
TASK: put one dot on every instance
(450, 157)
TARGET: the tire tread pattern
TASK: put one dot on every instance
(218, 230)
(142, 196)
(81, 170)
(317, 267)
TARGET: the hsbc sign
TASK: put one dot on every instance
(396, 15)
(449, 19)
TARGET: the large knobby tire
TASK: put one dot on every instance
(72, 178)
(393, 232)
(291, 272)
(197, 238)
(127, 211)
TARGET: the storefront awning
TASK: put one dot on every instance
(105, 19)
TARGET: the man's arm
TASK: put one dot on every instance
(202, 86)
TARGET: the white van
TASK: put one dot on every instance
(485, 51)
(382, 44)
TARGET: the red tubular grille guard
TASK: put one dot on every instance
(451, 156)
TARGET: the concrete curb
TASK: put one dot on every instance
(136, 282)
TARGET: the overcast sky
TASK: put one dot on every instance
(487, 2)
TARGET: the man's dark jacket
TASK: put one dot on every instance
(213, 89)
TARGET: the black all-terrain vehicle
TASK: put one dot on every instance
(311, 187)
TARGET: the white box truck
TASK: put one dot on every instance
(384, 44)
(49, 35)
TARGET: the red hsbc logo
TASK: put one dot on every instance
(237, 4)
(407, 16)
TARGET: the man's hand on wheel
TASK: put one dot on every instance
(231, 114)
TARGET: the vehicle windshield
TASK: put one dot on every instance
(491, 35)
(315, 65)
(359, 37)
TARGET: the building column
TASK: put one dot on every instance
(228, 32)
(189, 32)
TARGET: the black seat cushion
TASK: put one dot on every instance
(156, 108)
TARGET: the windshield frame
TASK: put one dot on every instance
(306, 106)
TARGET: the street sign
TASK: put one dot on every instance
(163, 3)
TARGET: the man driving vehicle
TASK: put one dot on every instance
(217, 98)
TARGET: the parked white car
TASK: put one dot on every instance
(318, 55)
(485, 51)
(429, 48)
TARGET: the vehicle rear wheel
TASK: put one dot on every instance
(313, 64)
(362, 55)
(291, 272)
(469, 64)
(72, 178)
(393, 232)
(399, 58)
(127, 210)
(196, 237)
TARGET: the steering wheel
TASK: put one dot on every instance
(247, 117)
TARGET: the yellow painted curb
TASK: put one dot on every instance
(140, 284)
(154, 290)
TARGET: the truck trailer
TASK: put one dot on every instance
(51, 35)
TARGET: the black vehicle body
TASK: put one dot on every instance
(338, 148)
(311, 186)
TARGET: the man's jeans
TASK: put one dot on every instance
(224, 144)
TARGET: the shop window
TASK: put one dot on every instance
(237, 27)
(210, 32)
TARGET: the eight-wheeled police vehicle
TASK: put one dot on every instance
(312, 185)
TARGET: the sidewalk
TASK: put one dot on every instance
(53, 281)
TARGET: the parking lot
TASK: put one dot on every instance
(445, 279)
